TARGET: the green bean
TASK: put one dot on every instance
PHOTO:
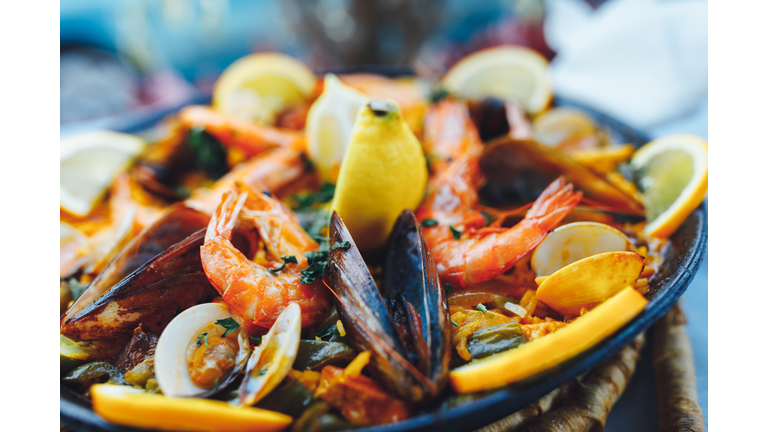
(314, 354)
(495, 339)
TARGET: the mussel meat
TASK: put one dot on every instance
(405, 324)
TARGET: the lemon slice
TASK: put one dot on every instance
(329, 125)
(134, 407)
(671, 173)
(89, 163)
(506, 72)
(259, 86)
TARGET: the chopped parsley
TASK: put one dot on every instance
(216, 384)
(454, 323)
(324, 195)
(448, 287)
(76, 288)
(456, 233)
(204, 338)
(481, 307)
(229, 324)
(437, 94)
(328, 330)
(263, 371)
(341, 245)
(286, 260)
(427, 223)
(209, 154)
(256, 339)
(317, 262)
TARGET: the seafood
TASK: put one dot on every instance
(575, 241)
(256, 292)
(518, 169)
(171, 281)
(466, 253)
(177, 223)
(272, 359)
(226, 294)
(448, 133)
(187, 364)
(590, 281)
(250, 138)
(273, 171)
(404, 324)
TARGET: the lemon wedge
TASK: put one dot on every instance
(506, 72)
(671, 173)
(329, 125)
(134, 407)
(89, 163)
(383, 173)
(259, 86)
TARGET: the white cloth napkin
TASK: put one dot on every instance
(642, 61)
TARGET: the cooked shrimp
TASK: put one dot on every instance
(250, 289)
(448, 132)
(250, 138)
(465, 251)
(272, 171)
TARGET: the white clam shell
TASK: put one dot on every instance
(271, 361)
(576, 241)
(171, 363)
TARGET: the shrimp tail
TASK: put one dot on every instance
(557, 200)
(224, 219)
(497, 253)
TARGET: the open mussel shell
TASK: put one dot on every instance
(590, 281)
(176, 224)
(416, 299)
(415, 369)
(573, 242)
(519, 170)
(171, 355)
(152, 294)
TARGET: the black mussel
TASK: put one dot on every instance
(153, 294)
(496, 118)
(176, 224)
(519, 170)
(404, 325)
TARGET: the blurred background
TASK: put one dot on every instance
(643, 62)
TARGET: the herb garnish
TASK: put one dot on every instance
(229, 324)
(256, 339)
(456, 233)
(317, 262)
(448, 288)
(210, 156)
(437, 94)
(322, 196)
(204, 337)
(481, 307)
(341, 245)
(427, 223)
(263, 371)
(286, 260)
(454, 323)
(216, 384)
